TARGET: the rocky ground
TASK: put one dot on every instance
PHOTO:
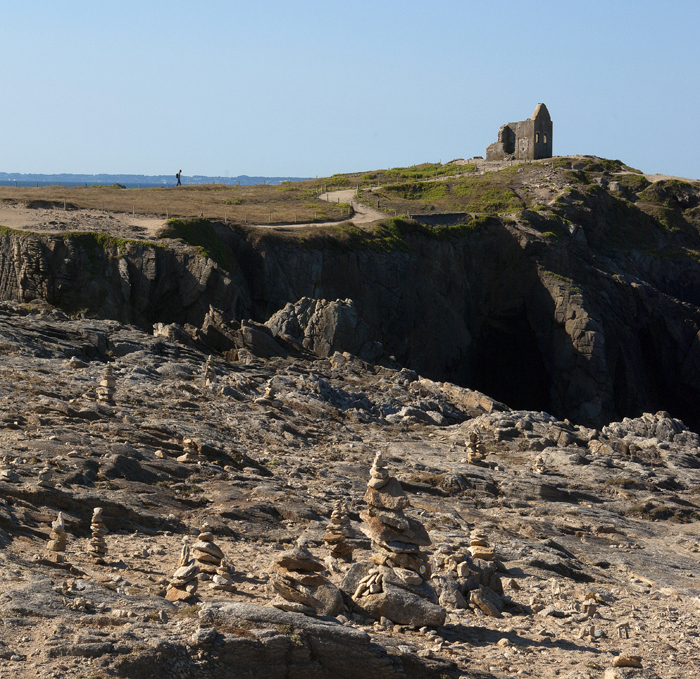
(595, 532)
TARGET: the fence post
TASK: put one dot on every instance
(64, 204)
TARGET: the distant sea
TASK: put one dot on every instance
(131, 181)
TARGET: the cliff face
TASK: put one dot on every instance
(589, 310)
(133, 282)
(489, 311)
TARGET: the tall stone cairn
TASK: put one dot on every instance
(108, 386)
(98, 544)
(396, 588)
(58, 538)
(396, 539)
(337, 533)
(207, 554)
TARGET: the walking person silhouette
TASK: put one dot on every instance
(178, 175)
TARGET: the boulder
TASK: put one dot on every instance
(402, 607)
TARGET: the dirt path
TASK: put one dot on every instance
(363, 214)
(57, 220)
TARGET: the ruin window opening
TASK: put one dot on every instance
(537, 137)
(545, 138)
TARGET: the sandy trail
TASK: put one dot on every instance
(57, 220)
(363, 213)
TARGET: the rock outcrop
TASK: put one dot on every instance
(325, 327)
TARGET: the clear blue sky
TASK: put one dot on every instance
(311, 88)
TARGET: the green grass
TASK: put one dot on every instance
(633, 182)
(105, 241)
(489, 194)
(426, 171)
(200, 233)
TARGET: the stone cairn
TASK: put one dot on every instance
(210, 378)
(207, 554)
(222, 580)
(98, 544)
(191, 454)
(479, 547)
(183, 584)
(396, 539)
(46, 478)
(294, 578)
(58, 538)
(396, 588)
(337, 533)
(475, 449)
(108, 386)
(539, 466)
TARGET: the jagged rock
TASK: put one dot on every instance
(326, 327)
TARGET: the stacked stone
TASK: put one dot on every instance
(222, 580)
(183, 584)
(475, 453)
(8, 474)
(395, 588)
(337, 533)
(108, 386)
(98, 544)
(191, 454)
(209, 372)
(539, 466)
(207, 554)
(396, 539)
(294, 578)
(479, 547)
(46, 478)
(58, 538)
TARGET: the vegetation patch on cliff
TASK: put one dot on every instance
(201, 234)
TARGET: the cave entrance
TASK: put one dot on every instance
(507, 363)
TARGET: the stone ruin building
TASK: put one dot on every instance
(527, 140)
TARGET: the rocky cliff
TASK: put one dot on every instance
(588, 308)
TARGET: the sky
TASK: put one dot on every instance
(306, 88)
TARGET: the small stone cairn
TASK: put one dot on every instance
(539, 466)
(98, 544)
(46, 478)
(475, 449)
(191, 454)
(479, 547)
(183, 584)
(207, 554)
(222, 580)
(210, 378)
(337, 533)
(108, 386)
(58, 538)
(294, 578)
(396, 587)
